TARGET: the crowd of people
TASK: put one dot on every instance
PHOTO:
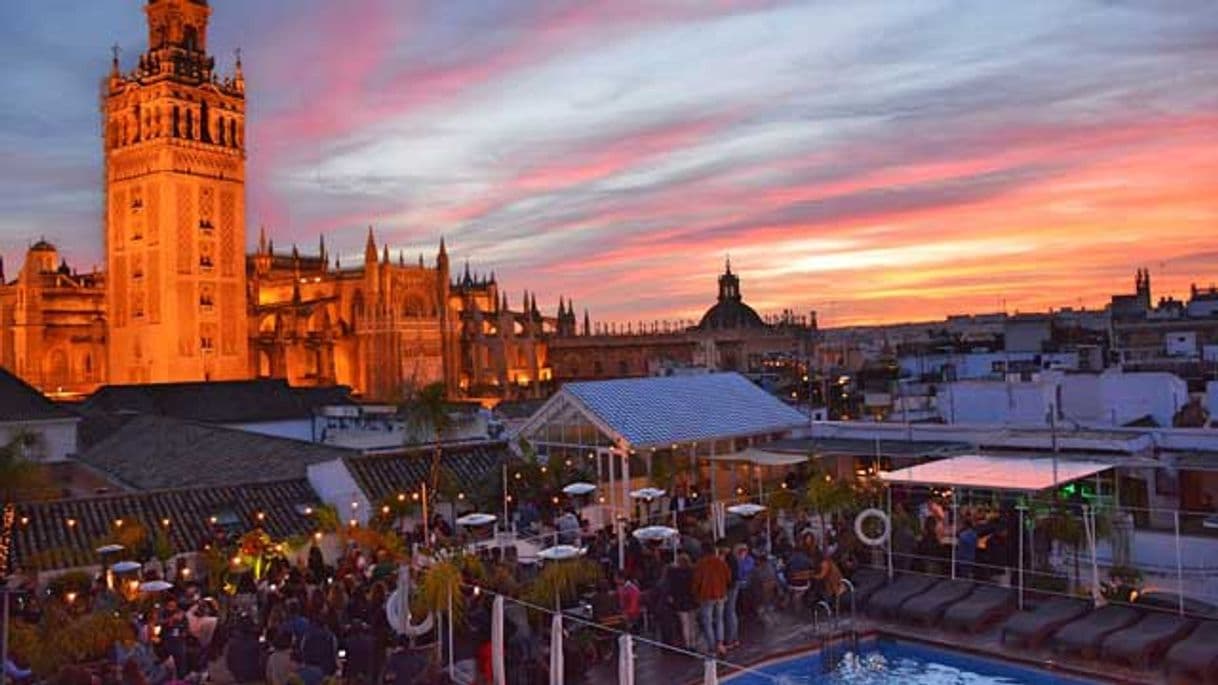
(310, 622)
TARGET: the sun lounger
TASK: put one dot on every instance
(887, 600)
(1031, 628)
(927, 608)
(866, 583)
(1196, 656)
(1085, 634)
(1144, 643)
(985, 607)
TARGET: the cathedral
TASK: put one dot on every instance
(181, 300)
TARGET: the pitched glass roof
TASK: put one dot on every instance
(682, 409)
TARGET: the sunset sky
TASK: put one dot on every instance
(875, 161)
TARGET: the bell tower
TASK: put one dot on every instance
(174, 149)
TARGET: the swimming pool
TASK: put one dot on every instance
(884, 660)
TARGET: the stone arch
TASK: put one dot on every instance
(265, 367)
(357, 306)
(56, 371)
(271, 323)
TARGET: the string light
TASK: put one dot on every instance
(165, 522)
(317, 536)
(118, 523)
(71, 523)
(414, 496)
(354, 505)
(385, 510)
(401, 497)
(261, 516)
(70, 597)
(213, 520)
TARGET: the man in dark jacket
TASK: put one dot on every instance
(319, 648)
(244, 657)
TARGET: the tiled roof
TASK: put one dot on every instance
(381, 475)
(157, 452)
(20, 401)
(44, 535)
(675, 409)
(218, 402)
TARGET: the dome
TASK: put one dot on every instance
(42, 246)
(730, 314)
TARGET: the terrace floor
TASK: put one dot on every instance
(783, 633)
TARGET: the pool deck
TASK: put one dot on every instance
(782, 633)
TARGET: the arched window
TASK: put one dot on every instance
(232, 132)
(177, 131)
(190, 124)
(204, 123)
(221, 126)
(190, 37)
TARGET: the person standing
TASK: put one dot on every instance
(740, 563)
(710, 584)
(680, 585)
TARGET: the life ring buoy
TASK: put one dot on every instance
(401, 624)
(861, 519)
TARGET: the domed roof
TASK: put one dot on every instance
(730, 312)
(42, 246)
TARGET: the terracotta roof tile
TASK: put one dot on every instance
(43, 532)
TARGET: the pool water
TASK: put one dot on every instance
(889, 661)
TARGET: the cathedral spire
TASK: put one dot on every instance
(370, 248)
(262, 239)
(587, 323)
(321, 246)
(385, 254)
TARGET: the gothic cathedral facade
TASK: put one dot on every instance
(179, 300)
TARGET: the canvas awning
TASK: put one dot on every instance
(1022, 474)
(763, 457)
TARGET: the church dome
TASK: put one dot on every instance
(42, 246)
(730, 312)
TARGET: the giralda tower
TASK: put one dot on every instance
(174, 136)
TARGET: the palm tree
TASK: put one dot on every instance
(427, 409)
(826, 495)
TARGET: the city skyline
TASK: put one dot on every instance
(900, 163)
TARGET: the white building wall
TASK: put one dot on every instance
(56, 439)
(333, 482)
(1181, 344)
(998, 402)
(294, 429)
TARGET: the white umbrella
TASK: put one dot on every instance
(560, 552)
(655, 533)
(579, 488)
(125, 567)
(556, 663)
(747, 510)
(498, 668)
(647, 494)
(155, 586)
(625, 660)
(110, 549)
(710, 673)
(476, 519)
